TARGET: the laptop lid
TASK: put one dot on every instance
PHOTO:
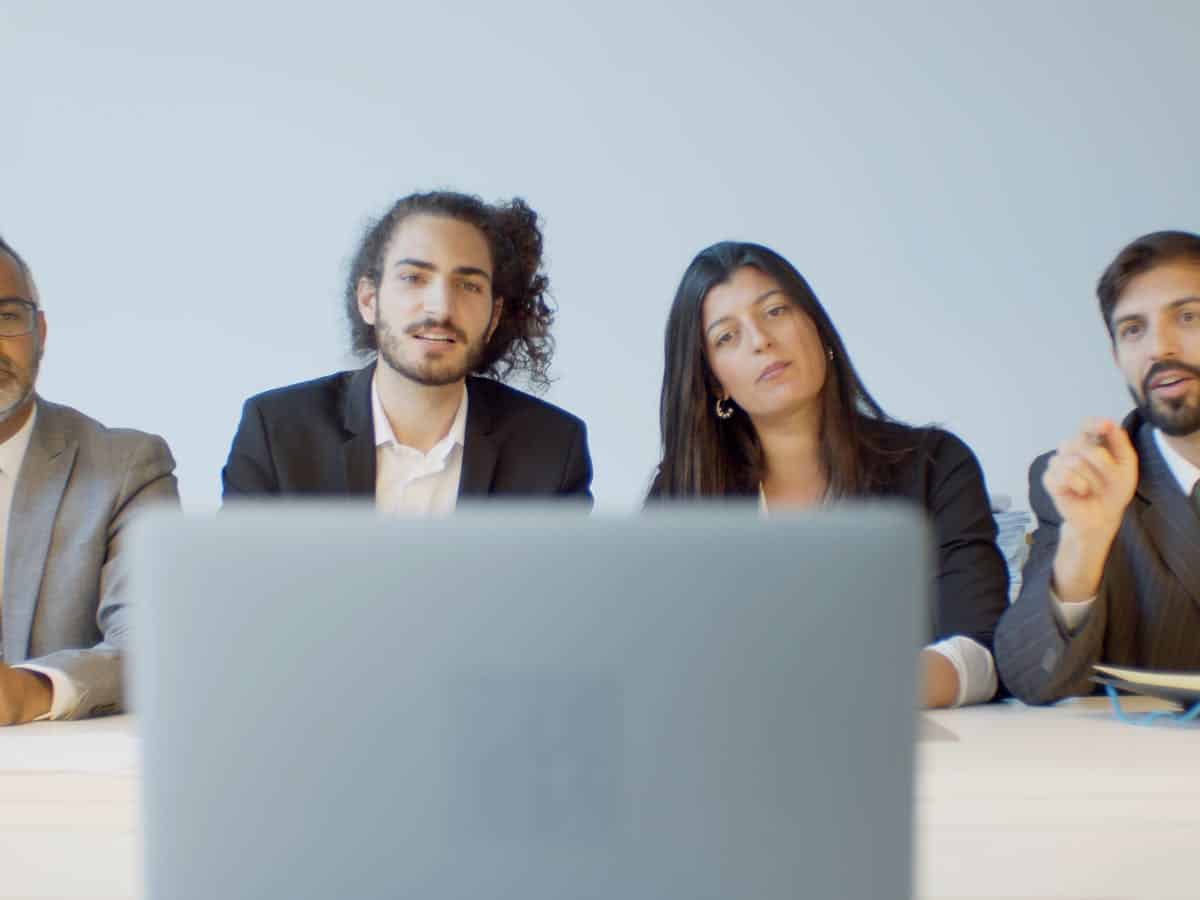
(528, 703)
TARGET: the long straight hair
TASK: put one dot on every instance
(704, 456)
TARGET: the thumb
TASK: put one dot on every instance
(1119, 445)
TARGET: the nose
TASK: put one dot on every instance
(1165, 342)
(758, 338)
(438, 299)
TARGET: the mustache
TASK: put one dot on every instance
(443, 324)
(1160, 368)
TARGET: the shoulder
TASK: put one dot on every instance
(922, 461)
(304, 391)
(915, 447)
(326, 392)
(113, 444)
(509, 406)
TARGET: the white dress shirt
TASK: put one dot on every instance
(409, 482)
(973, 662)
(65, 696)
(1073, 615)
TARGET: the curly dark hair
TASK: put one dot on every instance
(522, 339)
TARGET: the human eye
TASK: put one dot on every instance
(1129, 331)
(472, 287)
(1189, 315)
(723, 339)
(409, 277)
(779, 309)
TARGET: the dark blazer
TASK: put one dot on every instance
(317, 438)
(943, 477)
(66, 592)
(1147, 610)
(937, 472)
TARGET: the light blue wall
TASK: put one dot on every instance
(952, 177)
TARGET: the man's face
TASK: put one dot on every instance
(1156, 342)
(433, 309)
(20, 354)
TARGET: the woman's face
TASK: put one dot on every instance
(762, 348)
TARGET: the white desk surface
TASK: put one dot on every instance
(1011, 802)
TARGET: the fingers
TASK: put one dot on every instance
(1120, 446)
(1091, 462)
(1072, 474)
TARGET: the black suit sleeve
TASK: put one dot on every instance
(1037, 660)
(249, 469)
(971, 589)
(576, 477)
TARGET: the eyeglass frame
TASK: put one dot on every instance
(33, 307)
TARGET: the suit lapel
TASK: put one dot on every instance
(358, 451)
(1167, 515)
(480, 450)
(37, 496)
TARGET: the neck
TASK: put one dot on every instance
(420, 414)
(793, 472)
(16, 421)
(1187, 446)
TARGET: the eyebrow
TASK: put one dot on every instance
(430, 267)
(17, 300)
(757, 300)
(1141, 317)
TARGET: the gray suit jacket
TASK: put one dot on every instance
(1147, 611)
(64, 568)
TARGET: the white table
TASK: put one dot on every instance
(1012, 802)
(68, 810)
(1060, 802)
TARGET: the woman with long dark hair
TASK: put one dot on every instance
(759, 397)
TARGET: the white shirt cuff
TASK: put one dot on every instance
(1071, 616)
(976, 669)
(64, 697)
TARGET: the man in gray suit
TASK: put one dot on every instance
(1114, 572)
(68, 488)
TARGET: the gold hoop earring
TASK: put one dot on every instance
(723, 408)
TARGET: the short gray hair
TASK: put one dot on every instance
(6, 247)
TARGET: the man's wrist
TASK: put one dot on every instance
(1079, 562)
(37, 695)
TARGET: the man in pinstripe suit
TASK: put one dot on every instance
(1114, 572)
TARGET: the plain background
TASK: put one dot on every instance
(188, 184)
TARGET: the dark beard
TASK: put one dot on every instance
(429, 376)
(1175, 417)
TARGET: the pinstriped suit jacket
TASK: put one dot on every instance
(1147, 611)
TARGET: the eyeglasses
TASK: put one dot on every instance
(17, 317)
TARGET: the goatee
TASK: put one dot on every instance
(1173, 416)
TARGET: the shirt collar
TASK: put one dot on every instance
(12, 451)
(385, 436)
(1185, 472)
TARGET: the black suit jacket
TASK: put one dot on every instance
(1147, 610)
(944, 478)
(318, 438)
(936, 471)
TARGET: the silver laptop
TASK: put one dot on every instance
(529, 703)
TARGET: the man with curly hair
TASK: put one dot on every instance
(447, 297)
